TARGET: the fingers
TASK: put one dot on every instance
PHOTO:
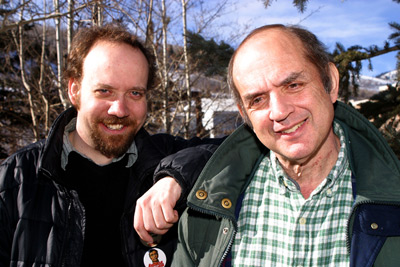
(153, 217)
(159, 221)
(139, 226)
(170, 216)
(154, 213)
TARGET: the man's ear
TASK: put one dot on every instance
(244, 116)
(334, 74)
(241, 111)
(73, 91)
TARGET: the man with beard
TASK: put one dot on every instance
(69, 200)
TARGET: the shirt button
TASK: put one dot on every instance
(329, 192)
(374, 226)
(201, 194)
(302, 220)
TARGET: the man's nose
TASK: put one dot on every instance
(118, 108)
(280, 107)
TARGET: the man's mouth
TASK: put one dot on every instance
(294, 128)
(114, 127)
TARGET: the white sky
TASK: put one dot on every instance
(350, 22)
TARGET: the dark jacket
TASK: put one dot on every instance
(43, 224)
(207, 227)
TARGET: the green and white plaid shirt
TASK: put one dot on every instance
(278, 227)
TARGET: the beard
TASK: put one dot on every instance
(113, 146)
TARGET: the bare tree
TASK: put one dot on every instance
(149, 26)
(9, 22)
(167, 121)
(41, 78)
(70, 23)
(18, 38)
(97, 13)
(57, 22)
(186, 70)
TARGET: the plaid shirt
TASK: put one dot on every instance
(278, 227)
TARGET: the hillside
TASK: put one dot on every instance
(376, 83)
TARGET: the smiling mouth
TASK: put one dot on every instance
(294, 128)
(114, 127)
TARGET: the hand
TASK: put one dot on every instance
(154, 211)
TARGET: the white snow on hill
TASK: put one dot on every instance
(377, 83)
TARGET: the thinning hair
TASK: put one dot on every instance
(314, 51)
(86, 38)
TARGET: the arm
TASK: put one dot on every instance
(185, 166)
(157, 210)
(7, 202)
(5, 246)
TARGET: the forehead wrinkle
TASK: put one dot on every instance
(250, 95)
(290, 78)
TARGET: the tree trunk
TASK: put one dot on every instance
(167, 121)
(187, 76)
(40, 83)
(97, 14)
(70, 26)
(57, 21)
(149, 26)
(20, 47)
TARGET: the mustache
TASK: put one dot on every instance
(115, 120)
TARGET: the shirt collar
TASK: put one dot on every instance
(333, 175)
(68, 148)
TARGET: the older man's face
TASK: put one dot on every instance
(283, 96)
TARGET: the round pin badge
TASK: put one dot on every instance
(154, 257)
(156, 240)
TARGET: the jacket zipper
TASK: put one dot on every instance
(215, 214)
(66, 234)
(228, 248)
(70, 198)
(348, 241)
(48, 175)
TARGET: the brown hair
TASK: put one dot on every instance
(86, 38)
(314, 51)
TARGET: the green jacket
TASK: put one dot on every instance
(208, 226)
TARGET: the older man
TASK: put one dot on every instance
(69, 200)
(308, 181)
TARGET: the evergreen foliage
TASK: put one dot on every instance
(383, 110)
(209, 57)
(349, 66)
